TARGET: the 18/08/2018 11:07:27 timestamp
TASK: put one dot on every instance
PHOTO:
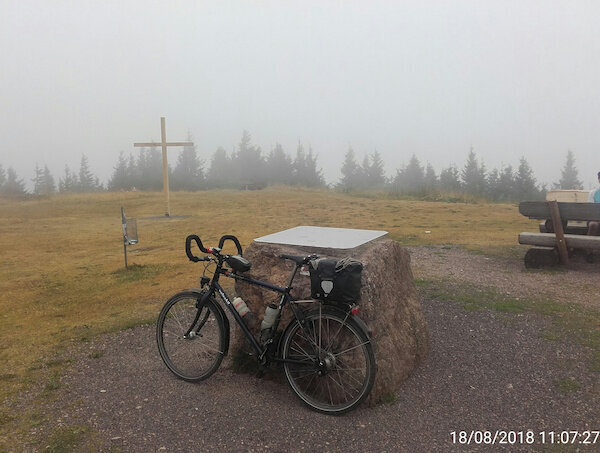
(501, 437)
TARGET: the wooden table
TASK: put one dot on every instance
(559, 234)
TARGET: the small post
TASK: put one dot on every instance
(561, 244)
(124, 223)
(165, 166)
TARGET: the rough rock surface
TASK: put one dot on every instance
(389, 302)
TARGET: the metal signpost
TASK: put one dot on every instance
(130, 236)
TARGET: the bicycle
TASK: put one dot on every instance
(325, 350)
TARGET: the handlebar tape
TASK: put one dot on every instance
(231, 238)
(188, 247)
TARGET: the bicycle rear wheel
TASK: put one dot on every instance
(190, 337)
(333, 368)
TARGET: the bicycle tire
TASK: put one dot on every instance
(199, 354)
(339, 364)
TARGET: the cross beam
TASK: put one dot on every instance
(163, 143)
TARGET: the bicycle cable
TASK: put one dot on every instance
(206, 266)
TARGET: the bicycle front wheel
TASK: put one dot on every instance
(329, 361)
(190, 336)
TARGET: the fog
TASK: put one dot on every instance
(435, 78)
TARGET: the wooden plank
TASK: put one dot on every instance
(549, 240)
(568, 211)
(156, 145)
(561, 245)
(573, 227)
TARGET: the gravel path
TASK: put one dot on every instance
(579, 283)
(485, 371)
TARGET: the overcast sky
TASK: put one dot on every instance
(434, 78)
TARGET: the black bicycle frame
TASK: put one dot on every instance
(285, 295)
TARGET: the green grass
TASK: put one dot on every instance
(567, 385)
(243, 363)
(5, 417)
(67, 439)
(570, 322)
(63, 276)
(70, 282)
(388, 398)
(139, 272)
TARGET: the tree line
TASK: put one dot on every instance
(247, 167)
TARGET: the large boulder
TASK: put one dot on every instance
(389, 302)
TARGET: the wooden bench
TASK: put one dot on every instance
(564, 228)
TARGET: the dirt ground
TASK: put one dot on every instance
(487, 371)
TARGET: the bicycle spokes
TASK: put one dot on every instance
(330, 364)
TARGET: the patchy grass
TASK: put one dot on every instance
(244, 363)
(68, 284)
(71, 280)
(570, 322)
(5, 417)
(568, 385)
(139, 272)
(68, 439)
(388, 398)
(53, 383)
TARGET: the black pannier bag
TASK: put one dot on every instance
(336, 280)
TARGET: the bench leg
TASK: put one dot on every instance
(538, 257)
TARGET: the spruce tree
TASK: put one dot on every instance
(376, 174)
(349, 172)
(220, 173)
(13, 186)
(279, 166)
(299, 166)
(430, 179)
(149, 166)
(525, 186)
(313, 177)
(247, 162)
(37, 179)
(449, 179)
(119, 179)
(569, 179)
(362, 173)
(48, 184)
(414, 176)
(69, 182)
(397, 183)
(2, 177)
(133, 174)
(493, 185)
(473, 176)
(506, 184)
(188, 173)
(87, 181)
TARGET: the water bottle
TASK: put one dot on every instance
(248, 317)
(271, 313)
(266, 326)
(241, 306)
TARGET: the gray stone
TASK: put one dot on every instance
(389, 303)
(322, 237)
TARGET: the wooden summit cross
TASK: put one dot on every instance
(163, 143)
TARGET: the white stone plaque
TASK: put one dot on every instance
(323, 237)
